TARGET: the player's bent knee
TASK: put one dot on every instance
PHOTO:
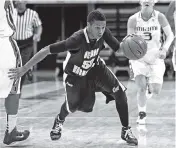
(12, 104)
(155, 88)
(120, 96)
(155, 91)
(73, 108)
(141, 83)
(142, 89)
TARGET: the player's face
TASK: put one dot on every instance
(147, 5)
(97, 29)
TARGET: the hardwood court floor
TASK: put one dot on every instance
(41, 101)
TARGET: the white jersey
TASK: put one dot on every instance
(175, 21)
(7, 18)
(174, 52)
(151, 31)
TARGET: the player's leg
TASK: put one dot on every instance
(11, 95)
(109, 84)
(12, 134)
(140, 72)
(141, 83)
(71, 104)
(156, 78)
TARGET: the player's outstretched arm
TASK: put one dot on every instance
(39, 56)
(70, 43)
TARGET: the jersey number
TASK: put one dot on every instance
(147, 36)
(87, 64)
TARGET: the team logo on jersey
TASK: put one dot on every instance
(90, 54)
(89, 58)
(151, 28)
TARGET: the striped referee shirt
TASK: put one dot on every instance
(25, 24)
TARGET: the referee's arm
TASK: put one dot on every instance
(37, 24)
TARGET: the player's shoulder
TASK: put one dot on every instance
(78, 35)
(76, 38)
(133, 18)
(161, 17)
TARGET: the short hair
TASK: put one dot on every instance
(95, 15)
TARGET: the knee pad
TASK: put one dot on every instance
(12, 104)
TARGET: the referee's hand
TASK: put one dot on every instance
(16, 73)
(36, 38)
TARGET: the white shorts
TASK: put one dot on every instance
(154, 72)
(9, 58)
(174, 58)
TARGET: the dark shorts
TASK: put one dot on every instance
(80, 91)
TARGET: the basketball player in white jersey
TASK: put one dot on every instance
(171, 17)
(9, 58)
(149, 70)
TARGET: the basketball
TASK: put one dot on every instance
(134, 47)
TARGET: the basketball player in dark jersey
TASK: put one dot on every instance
(86, 73)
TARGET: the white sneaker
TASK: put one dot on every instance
(141, 118)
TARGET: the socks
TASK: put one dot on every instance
(11, 122)
(141, 109)
(63, 112)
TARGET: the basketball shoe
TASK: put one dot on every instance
(15, 136)
(141, 118)
(56, 131)
(127, 135)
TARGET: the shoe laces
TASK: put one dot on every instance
(18, 133)
(129, 133)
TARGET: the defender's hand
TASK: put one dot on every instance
(16, 73)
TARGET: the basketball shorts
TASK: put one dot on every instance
(80, 91)
(154, 72)
(9, 58)
(174, 58)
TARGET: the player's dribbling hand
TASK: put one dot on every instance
(162, 53)
(16, 73)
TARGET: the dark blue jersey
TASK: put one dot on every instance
(82, 52)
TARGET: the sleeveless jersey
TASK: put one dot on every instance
(151, 31)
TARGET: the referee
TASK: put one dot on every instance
(28, 30)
